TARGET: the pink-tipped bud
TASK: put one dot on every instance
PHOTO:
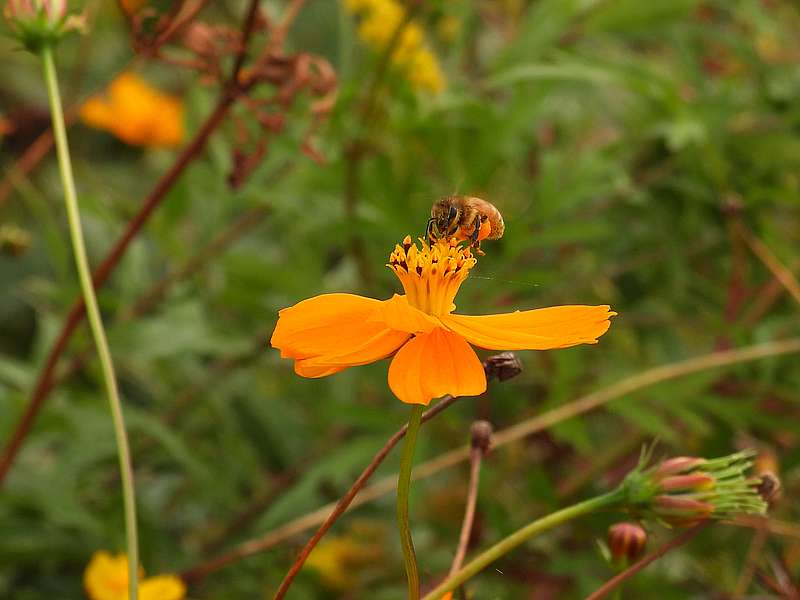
(53, 11)
(686, 490)
(40, 23)
(680, 511)
(696, 481)
(19, 10)
(627, 542)
(677, 465)
(680, 505)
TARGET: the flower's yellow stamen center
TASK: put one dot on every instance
(432, 273)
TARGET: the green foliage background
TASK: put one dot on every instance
(621, 140)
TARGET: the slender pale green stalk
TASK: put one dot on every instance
(507, 544)
(93, 314)
(403, 488)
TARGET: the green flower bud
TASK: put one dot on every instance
(683, 491)
(39, 23)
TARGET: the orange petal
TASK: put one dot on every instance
(433, 364)
(325, 324)
(329, 333)
(302, 368)
(380, 345)
(540, 329)
(398, 314)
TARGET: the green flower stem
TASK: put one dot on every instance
(93, 313)
(507, 544)
(403, 488)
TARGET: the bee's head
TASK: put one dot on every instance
(445, 216)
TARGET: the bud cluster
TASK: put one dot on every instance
(38, 23)
(682, 491)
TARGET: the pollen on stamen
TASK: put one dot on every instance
(431, 272)
(436, 258)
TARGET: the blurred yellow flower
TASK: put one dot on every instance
(448, 28)
(136, 113)
(337, 559)
(424, 72)
(379, 20)
(106, 578)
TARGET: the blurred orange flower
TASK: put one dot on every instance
(136, 113)
(106, 578)
(131, 6)
(431, 345)
(6, 126)
(338, 560)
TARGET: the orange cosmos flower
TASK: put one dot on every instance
(136, 113)
(431, 345)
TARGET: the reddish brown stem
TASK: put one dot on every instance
(613, 583)
(344, 502)
(215, 247)
(44, 383)
(158, 290)
(771, 261)
(196, 573)
(32, 156)
(290, 13)
(247, 32)
(481, 441)
(475, 458)
(179, 21)
(754, 554)
(765, 299)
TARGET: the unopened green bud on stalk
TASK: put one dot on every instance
(40, 23)
(677, 492)
(682, 491)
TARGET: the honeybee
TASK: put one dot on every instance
(466, 218)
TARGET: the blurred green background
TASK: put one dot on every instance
(631, 146)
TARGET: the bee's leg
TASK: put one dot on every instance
(476, 232)
(429, 229)
(475, 242)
